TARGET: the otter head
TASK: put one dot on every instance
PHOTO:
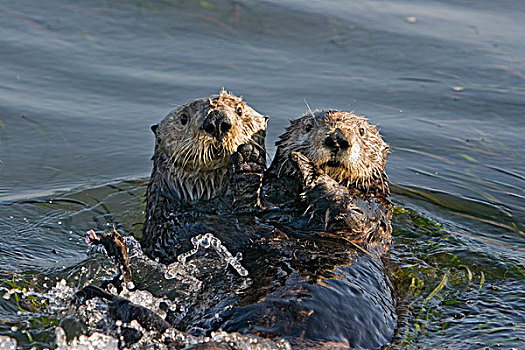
(343, 144)
(194, 144)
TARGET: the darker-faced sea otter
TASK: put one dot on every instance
(346, 148)
(327, 180)
(343, 144)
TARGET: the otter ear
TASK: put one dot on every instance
(154, 128)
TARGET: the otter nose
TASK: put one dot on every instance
(216, 124)
(336, 140)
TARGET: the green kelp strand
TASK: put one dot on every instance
(437, 289)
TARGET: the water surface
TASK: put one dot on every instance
(81, 83)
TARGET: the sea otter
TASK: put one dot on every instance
(194, 171)
(349, 150)
(327, 179)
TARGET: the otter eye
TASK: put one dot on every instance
(361, 131)
(308, 127)
(239, 110)
(184, 119)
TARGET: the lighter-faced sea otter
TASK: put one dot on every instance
(193, 168)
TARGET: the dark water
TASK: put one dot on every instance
(81, 82)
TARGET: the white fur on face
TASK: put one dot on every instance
(197, 161)
(355, 153)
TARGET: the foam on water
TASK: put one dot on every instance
(173, 337)
(59, 296)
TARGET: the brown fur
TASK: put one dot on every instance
(349, 191)
(303, 286)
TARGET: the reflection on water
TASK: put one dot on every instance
(82, 83)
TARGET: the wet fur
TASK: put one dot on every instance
(343, 195)
(190, 167)
(289, 260)
(361, 166)
(192, 162)
(358, 171)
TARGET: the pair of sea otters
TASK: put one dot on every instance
(312, 228)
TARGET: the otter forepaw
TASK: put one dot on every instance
(249, 158)
(308, 171)
(246, 170)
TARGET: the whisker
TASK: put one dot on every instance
(308, 107)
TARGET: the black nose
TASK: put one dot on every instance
(216, 124)
(336, 140)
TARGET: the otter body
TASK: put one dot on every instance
(327, 180)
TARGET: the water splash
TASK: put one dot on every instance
(134, 247)
(234, 341)
(146, 299)
(94, 342)
(7, 343)
(208, 241)
(59, 296)
(246, 341)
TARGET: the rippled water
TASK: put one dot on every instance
(81, 82)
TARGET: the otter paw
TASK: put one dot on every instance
(248, 159)
(309, 172)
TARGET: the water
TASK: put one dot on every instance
(81, 82)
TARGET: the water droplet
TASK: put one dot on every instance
(208, 240)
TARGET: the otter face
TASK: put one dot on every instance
(201, 136)
(194, 144)
(344, 145)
